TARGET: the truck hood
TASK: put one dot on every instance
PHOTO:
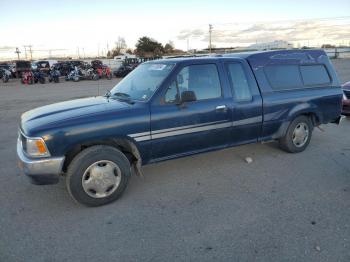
(46, 116)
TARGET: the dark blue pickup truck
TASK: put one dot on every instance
(177, 107)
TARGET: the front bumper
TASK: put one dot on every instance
(40, 170)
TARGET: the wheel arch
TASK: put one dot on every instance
(125, 145)
(314, 116)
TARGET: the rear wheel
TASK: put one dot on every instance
(298, 135)
(98, 175)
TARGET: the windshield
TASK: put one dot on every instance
(141, 83)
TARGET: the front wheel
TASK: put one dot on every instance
(98, 175)
(298, 135)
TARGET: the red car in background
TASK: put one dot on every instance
(346, 99)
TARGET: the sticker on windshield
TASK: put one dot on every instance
(157, 67)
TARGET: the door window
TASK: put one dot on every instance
(203, 80)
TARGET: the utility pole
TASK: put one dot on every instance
(30, 51)
(210, 31)
(25, 51)
(17, 52)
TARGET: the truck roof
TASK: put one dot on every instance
(297, 55)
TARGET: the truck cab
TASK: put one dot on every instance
(172, 108)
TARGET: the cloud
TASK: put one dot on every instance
(7, 48)
(235, 34)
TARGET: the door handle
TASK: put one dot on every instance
(221, 108)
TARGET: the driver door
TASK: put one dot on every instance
(184, 128)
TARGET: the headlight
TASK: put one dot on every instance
(344, 97)
(36, 147)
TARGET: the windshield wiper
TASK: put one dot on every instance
(122, 97)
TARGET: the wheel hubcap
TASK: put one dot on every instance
(101, 179)
(300, 134)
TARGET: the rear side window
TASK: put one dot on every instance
(239, 82)
(314, 75)
(282, 77)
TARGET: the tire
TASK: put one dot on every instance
(82, 169)
(56, 79)
(42, 80)
(76, 78)
(298, 135)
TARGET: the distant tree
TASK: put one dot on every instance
(169, 47)
(120, 45)
(148, 47)
(328, 46)
(129, 51)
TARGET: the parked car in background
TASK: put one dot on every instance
(346, 99)
(43, 66)
(96, 64)
(22, 66)
(122, 71)
(177, 107)
(63, 67)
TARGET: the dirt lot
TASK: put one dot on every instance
(209, 207)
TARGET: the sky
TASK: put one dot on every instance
(93, 26)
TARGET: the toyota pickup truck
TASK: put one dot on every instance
(172, 108)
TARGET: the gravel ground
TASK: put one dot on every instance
(208, 207)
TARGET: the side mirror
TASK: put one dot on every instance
(188, 96)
